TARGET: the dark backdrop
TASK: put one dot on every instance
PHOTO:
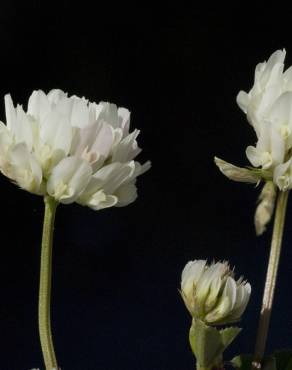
(117, 272)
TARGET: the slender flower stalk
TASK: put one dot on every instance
(45, 285)
(271, 279)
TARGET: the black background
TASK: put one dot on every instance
(117, 272)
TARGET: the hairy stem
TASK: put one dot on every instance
(45, 285)
(271, 279)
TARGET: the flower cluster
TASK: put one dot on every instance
(211, 293)
(268, 107)
(71, 149)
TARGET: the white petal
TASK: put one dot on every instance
(109, 114)
(215, 287)
(273, 69)
(124, 120)
(281, 111)
(243, 100)
(97, 109)
(263, 102)
(55, 95)
(127, 149)
(118, 177)
(191, 274)
(68, 179)
(143, 168)
(64, 107)
(95, 138)
(277, 57)
(80, 113)
(23, 128)
(104, 138)
(277, 147)
(10, 113)
(282, 175)
(226, 303)
(243, 295)
(56, 132)
(264, 139)
(219, 312)
(6, 139)
(108, 179)
(38, 105)
(126, 194)
(230, 291)
(254, 156)
(24, 168)
(100, 200)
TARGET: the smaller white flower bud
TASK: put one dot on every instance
(265, 208)
(211, 293)
(237, 173)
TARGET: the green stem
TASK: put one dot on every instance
(203, 367)
(45, 285)
(271, 279)
(213, 367)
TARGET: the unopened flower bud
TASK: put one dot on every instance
(237, 173)
(265, 208)
(211, 293)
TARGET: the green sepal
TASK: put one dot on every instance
(242, 362)
(264, 174)
(208, 343)
(228, 335)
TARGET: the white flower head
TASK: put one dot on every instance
(268, 107)
(71, 149)
(211, 293)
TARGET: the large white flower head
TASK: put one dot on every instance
(211, 293)
(268, 107)
(71, 149)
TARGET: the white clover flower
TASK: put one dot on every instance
(71, 149)
(211, 293)
(268, 106)
(268, 109)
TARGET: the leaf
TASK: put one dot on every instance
(228, 335)
(205, 342)
(208, 343)
(242, 362)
